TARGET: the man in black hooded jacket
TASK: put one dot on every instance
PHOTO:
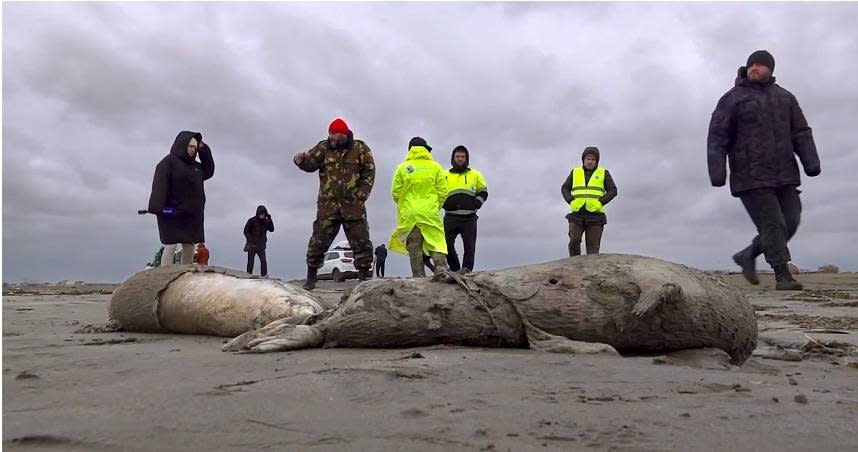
(466, 193)
(178, 198)
(759, 128)
(256, 232)
(587, 189)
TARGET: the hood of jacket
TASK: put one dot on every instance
(591, 150)
(418, 153)
(460, 169)
(180, 145)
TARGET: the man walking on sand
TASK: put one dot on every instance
(759, 128)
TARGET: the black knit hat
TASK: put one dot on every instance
(762, 57)
(417, 141)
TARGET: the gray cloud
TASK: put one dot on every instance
(93, 95)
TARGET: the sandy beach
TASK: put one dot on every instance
(64, 390)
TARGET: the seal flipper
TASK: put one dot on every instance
(280, 335)
(560, 344)
(294, 338)
(652, 299)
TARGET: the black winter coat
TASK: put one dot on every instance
(759, 128)
(256, 230)
(381, 252)
(178, 183)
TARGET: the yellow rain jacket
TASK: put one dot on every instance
(419, 189)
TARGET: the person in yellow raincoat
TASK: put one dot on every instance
(419, 189)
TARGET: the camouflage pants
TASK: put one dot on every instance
(325, 230)
(414, 244)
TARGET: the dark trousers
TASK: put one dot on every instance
(776, 212)
(466, 226)
(325, 230)
(262, 261)
(593, 237)
(379, 268)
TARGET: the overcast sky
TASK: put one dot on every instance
(94, 94)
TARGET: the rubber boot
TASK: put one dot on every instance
(440, 261)
(364, 274)
(784, 280)
(310, 284)
(416, 260)
(748, 263)
(442, 269)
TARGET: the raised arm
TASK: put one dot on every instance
(205, 153)
(311, 160)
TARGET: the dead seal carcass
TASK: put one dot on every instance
(215, 301)
(633, 304)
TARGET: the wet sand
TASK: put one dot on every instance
(120, 391)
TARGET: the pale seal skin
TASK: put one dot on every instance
(585, 304)
(215, 301)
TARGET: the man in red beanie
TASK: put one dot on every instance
(346, 175)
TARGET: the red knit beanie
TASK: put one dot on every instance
(338, 126)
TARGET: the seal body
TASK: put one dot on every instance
(633, 304)
(214, 301)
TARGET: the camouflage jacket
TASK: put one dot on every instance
(346, 177)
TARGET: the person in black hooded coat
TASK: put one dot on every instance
(178, 198)
(256, 232)
(759, 128)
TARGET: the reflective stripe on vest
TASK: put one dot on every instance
(587, 193)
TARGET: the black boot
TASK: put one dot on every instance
(310, 284)
(783, 279)
(364, 274)
(748, 263)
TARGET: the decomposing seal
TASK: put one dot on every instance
(584, 304)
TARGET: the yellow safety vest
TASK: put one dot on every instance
(587, 194)
(470, 183)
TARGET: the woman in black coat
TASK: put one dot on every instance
(178, 198)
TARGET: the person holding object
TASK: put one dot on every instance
(256, 232)
(178, 198)
(759, 128)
